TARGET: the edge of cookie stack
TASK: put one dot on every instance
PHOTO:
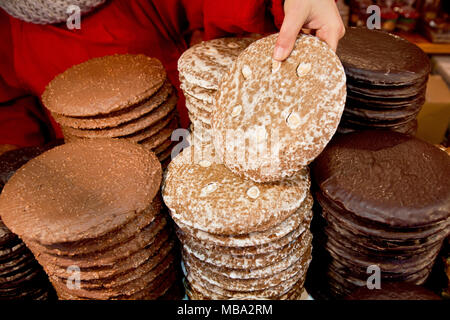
(201, 68)
(21, 277)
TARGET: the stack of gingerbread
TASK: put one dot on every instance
(384, 211)
(201, 69)
(21, 277)
(386, 81)
(120, 96)
(90, 211)
(240, 239)
(243, 208)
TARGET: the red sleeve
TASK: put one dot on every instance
(238, 17)
(22, 122)
(277, 10)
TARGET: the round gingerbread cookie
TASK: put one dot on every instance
(204, 64)
(381, 58)
(207, 196)
(80, 190)
(273, 118)
(204, 286)
(103, 85)
(241, 272)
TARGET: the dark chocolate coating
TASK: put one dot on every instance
(380, 58)
(386, 177)
(409, 128)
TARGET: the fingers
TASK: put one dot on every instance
(321, 15)
(332, 30)
(294, 19)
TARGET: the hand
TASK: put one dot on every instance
(320, 15)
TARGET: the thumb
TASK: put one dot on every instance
(293, 21)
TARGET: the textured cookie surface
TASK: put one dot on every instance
(271, 119)
(103, 85)
(205, 63)
(80, 190)
(205, 195)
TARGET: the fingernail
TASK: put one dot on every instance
(278, 53)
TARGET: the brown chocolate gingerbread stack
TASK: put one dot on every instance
(119, 96)
(384, 204)
(21, 277)
(90, 212)
(386, 81)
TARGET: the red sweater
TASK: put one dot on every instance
(32, 55)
